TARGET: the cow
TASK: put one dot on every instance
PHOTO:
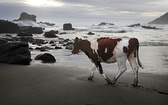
(110, 50)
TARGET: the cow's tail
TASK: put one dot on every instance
(137, 53)
(134, 48)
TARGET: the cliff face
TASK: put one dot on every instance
(161, 20)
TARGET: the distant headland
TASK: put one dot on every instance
(161, 20)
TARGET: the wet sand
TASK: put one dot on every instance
(55, 85)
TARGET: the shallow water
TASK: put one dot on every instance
(153, 49)
(153, 58)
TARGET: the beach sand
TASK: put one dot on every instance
(45, 84)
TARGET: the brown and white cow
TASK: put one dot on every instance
(110, 50)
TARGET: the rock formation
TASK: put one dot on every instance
(161, 20)
(26, 16)
(9, 27)
(68, 26)
(14, 53)
(46, 58)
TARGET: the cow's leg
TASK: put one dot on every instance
(101, 72)
(122, 67)
(92, 74)
(135, 68)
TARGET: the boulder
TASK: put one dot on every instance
(23, 34)
(58, 47)
(46, 58)
(15, 53)
(50, 34)
(69, 45)
(38, 41)
(26, 16)
(90, 33)
(67, 26)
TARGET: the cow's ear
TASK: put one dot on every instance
(77, 39)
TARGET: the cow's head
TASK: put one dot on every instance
(76, 46)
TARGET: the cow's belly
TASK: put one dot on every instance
(111, 60)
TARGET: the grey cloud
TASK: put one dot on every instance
(86, 10)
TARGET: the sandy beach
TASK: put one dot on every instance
(56, 85)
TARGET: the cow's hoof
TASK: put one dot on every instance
(109, 81)
(134, 85)
(113, 82)
(90, 78)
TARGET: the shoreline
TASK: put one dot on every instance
(58, 85)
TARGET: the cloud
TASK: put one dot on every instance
(88, 10)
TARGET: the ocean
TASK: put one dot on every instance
(153, 46)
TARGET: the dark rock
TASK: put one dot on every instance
(25, 39)
(44, 48)
(26, 16)
(69, 45)
(121, 31)
(90, 33)
(23, 34)
(3, 41)
(8, 35)
(8, 27)
(50, 34)
(68, 26)
(134, 25)
(51, 42)
(149, 27)
(38, 41)
(30, 29)
(15, 53)
(104, 23)
(54, 32)
(61, 33)
(46, 58)
(47, 23)
(63, 41)
(30, 48)
(56, 47)
(66, 40)
(85, 37)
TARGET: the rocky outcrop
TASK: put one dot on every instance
(46, 23)
(149, 27)
(15, 53)
(30, 29)
(26, 16)
(104, 23)
(51, 34)
(134, 25)
(90, 33)
(23, 34)
(46, 58)
(9, 27)
(161, 20)
(67, 26)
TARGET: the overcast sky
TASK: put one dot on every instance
(86, 11)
